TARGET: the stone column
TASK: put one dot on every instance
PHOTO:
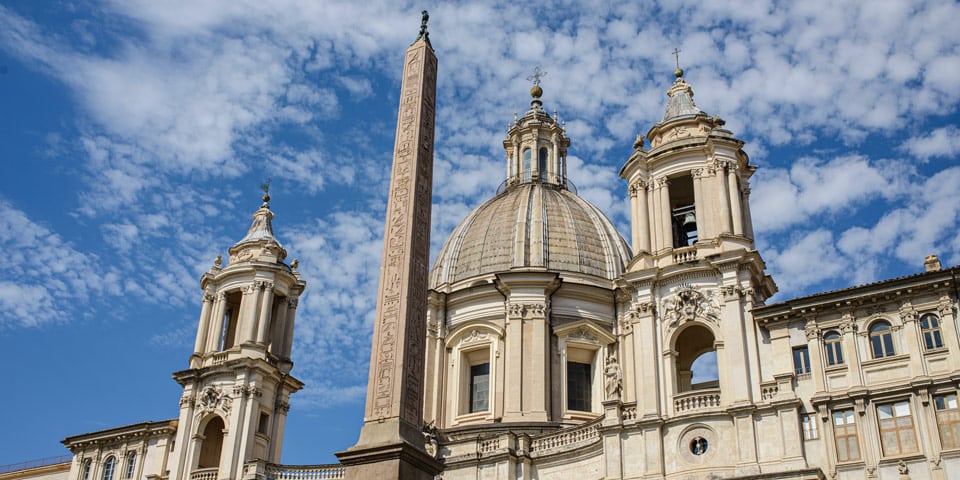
(722, 187)
(948, 329)
(200, 346)
(908, 315)
(747, 217)
(513, 340)
(735, 198)
(251, 311)
(851, 353)
(643, 218)
(288, 322)
(816, 363)
(653, 195)
(278, 328)
(634, 218)
(666, 215)
(266, 308)
(391, 444)
(213, 344)
(698, 205)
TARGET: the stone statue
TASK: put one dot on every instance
(614, 378)
(431, 445)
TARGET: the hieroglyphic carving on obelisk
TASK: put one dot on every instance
(395, 388)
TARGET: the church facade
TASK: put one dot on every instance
(553, 348)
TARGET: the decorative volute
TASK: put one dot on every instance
(536, 144)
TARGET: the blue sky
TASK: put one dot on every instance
(134, 135)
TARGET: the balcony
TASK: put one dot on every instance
(204, 474)
(696, 401)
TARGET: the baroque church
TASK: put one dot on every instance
(543, 345)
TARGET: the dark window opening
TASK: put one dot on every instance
(480, 388)
(683, 211)
(578, 386)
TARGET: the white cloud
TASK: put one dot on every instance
(783, 198)
(45, 277)
(942, 142)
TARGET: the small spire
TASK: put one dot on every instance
(424, 34)
(536, 92)
(265, 186)
(679, 71)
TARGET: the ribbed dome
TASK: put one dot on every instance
(532, 225)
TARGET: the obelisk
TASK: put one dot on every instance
(391, 444)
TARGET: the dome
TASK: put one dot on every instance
(532, 226)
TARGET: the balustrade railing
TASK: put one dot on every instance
(688, 402)
(304, 472)
(586, 433)
(684, 254)
(204, 474)
(769, 391)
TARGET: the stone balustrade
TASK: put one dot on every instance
(583, 434)
(303, 472)
(697, 400)
(769, 390)
(684, 254)
(204, 474)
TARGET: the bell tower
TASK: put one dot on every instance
(689, 193)
(237, 389)
(696, 275)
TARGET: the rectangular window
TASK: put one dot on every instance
(801, 360)
(845, 433)
(810, 427)
(896, 428)
(578, 386)
(480, 387)
(263, 425)
(948, 420)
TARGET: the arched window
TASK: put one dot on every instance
(542, 162)
(696, 359)
(212, 444)
(108, 468)
(930, 327)
(527, 166)
(881, 340)
(86, 469)
(832, 348)
(131, 464)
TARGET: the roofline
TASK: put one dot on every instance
(133, 427)
(947, 275)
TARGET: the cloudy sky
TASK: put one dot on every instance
(134, 136)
